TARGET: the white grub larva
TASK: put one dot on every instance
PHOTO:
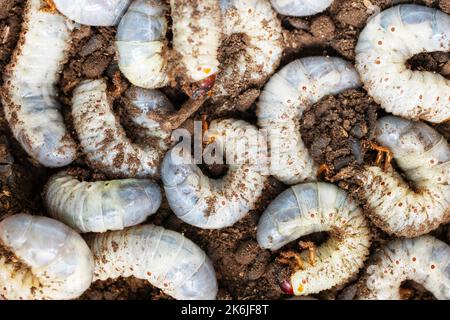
(93, 12)
(104, 141)
(384, 46)
(300, 8)
(423, 155)
(282, 102)
(316, 207)
(214, 204)
(257, 22)
(41, 258)
(425, 260)
(163, 257)
(29, 93)
(143, 51)
(102, 205)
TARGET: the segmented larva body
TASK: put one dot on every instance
(163, 257)
(143, 51)
(102, 205)
(258, 23)
(41, 258)
(29, 95)
(425, 259)
(423, 155)
(385, 45)
(300, 8)
(214, 204)
(93, 12)
(314, 207)
(104, 141)
(285, 97)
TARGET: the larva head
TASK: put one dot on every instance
(404, 137)
(286, 287)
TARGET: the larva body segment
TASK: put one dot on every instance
(103, 205)
(29, 95)
(217, 203)
(104, 141)
(282, 102)
(143, 51)
(261, 55)
(300, 8)
(423, 155)
(93, 12)
(163, 257)
(425, 259)
(41, 258)
(315, 207)
(384, 46)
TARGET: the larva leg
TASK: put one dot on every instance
(423, 154)
(163, 257)
(282, 102)
(41, 258)
(384, 46)
(29, 95)
(425, 260)
(93, 12)
(102, 205)
(300, 8)
(215, 204)
(315, 207)
(261, 29)
(103, 139)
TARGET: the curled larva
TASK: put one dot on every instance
(217, 203)
(257, 23)
(29, 93)
(314, 207)
(41, 258)
(384, 47)
(163, 257)
(425, 260)
(423, 155)
(300, 8)
(104, 141)
(144, 53)
(102, 205)
(93, 12)
(282, 102)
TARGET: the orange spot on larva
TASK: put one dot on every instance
(377, 61)
(207, 70)
(300, 288)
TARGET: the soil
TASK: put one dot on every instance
(336, 131)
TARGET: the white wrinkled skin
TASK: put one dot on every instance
(281, 104)
(385, 45)
(316, 207)
(425, 259)
(93, 12)
(29, 96)
(102, 205)
(141, 40)
(216, 203)
(58, 263)
(423, 156)
(103, 140)
(300, 8)
(163, 257)
(258, 22)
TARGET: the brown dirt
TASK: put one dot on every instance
(335, 130)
